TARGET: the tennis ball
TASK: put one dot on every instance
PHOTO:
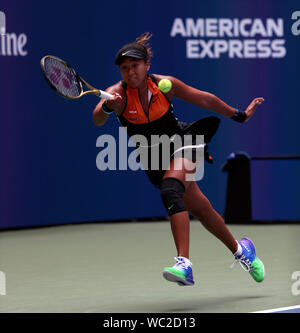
(165, 85)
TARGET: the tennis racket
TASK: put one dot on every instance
(65, 81)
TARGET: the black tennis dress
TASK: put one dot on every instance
(160, 120)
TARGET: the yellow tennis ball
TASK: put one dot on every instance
(165, 85)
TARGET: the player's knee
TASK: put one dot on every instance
(172, 190)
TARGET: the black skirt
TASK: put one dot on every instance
(190, 147)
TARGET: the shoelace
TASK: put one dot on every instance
(244, 262)
(182, 263)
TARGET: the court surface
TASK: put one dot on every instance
(117, 267)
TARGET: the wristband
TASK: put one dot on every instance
(239, 116)
(106, 109)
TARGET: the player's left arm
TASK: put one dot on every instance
(211, 102)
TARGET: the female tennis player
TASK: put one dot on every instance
(144, 109)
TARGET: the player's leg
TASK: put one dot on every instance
(244, 250)
(197, 203)
(173, 187)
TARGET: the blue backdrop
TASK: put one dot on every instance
(48, 144)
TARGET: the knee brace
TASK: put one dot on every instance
(172, 190)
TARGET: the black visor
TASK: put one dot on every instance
(133, 50)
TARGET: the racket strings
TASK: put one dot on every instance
(62, 78)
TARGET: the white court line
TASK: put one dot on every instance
(278, 309)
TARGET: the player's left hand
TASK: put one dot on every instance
(252, 106)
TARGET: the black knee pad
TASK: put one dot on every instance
(172, 190)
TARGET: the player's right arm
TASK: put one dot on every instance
(116, 103)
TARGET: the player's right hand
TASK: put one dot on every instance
(115, 102)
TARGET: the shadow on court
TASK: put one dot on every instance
(208, 305)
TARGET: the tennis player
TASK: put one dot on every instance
(144, 109)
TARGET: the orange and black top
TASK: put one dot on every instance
(160, 118)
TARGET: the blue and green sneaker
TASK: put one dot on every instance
(181, 272)
(249, 261)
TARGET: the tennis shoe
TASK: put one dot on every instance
(249, 261)
(181, 272)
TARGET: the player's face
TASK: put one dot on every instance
(134, 71)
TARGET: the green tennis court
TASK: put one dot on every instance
(117, 267)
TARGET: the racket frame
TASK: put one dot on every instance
(80, 81)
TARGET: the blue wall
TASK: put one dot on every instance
(48, 144)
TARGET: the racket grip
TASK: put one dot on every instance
(104, 94)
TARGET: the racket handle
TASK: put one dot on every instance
(104, 94)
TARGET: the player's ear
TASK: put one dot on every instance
(148, 64)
